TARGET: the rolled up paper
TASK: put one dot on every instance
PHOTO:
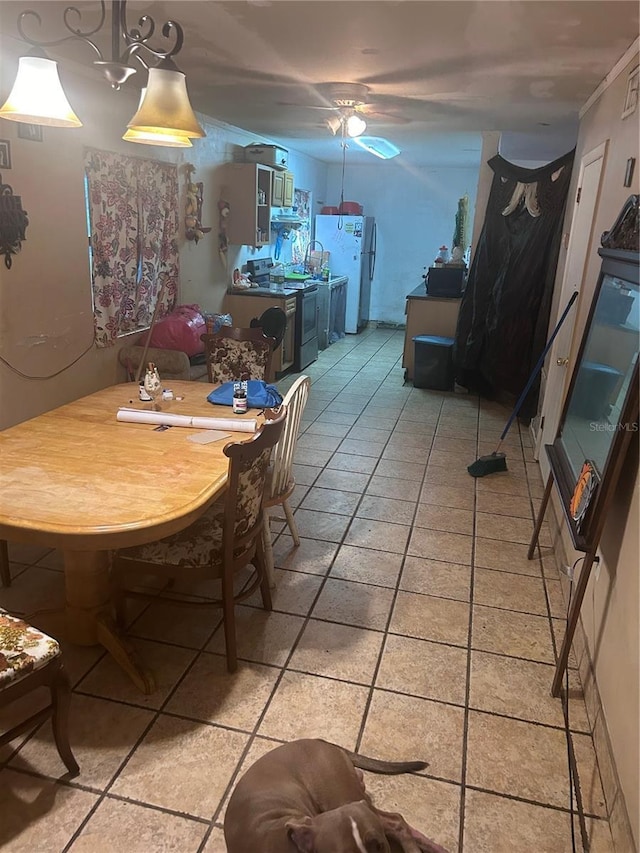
(138, 416)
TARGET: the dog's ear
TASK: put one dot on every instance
(302, 834)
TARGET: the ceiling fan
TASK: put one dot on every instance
(351, 106)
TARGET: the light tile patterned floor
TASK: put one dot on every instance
(409, 624)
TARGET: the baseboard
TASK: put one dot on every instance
(619, 822)
(383, 324)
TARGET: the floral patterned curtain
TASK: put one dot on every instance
(133, 208)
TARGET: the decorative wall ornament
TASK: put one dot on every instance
(13, 223)
(5, 154)
(631, 95)
(223, 241)
(193, 227)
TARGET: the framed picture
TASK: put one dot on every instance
(5, 154)
(631, 96)
(30, 131)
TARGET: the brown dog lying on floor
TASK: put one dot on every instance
(308, 797)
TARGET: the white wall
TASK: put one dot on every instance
(415, 212)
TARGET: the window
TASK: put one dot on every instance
(132, 208)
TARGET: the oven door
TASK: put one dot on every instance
(309, 315)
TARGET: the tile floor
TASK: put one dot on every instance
(409, 624)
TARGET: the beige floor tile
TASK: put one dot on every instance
(309, 706)
(166, 663)
(171, 623)
(102, 734)
(363, 433)
(509, 591)
(367, 566)
(318, 441)
(262, 637)
(311, 556)
(354, 464)
(445, 518)
(320, 427)
(24, 552)
(515, 688)
(118, 825)
(407, 437)
(294, 592)
(434, 577)
(348, 481)
(331, 500)
(456, 478)
(305, 475)
(427, 805)
(504, 483)
(326, 526)
(362, 447)
(338, 651)
(440, 545)
(172, 767)
(429, 618)
(401, 728)
(422, 668)
(403, 470)
(524, 760)
(447, 496)
(78, 660)
(215, 842)
(460, 446)
(504, 528)
(38, 815)
(495, 824)
(32, 590)
(397, 452)
(354, 604)
(600, 838)
(210, 693)
(505, 556)
(509, 633)
(385, 509)
(381, 535)
(393, 487)
(498, 504)
(311, 456)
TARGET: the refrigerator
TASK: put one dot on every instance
(351, 241)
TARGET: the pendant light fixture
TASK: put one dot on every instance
(146, 137)
(165, 115)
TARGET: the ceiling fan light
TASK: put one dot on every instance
(165, 107)
(334, 124)
(355, 126)
(378, 146)
(37, 96)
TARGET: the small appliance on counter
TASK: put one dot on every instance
(445, 281)
(259, 271)
(267, 155)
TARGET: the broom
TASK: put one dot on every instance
(497, 461)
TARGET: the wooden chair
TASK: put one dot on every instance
(30, 659)
(280, 482)
(225, 539)
(5, 571)
(233, 353)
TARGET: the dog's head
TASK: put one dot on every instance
(352, 828)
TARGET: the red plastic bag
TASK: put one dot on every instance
(180, 330)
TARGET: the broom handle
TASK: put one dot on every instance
(151, 327)
(535, 370)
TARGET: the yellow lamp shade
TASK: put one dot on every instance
(37, 96)
(165, 108)
(164, 139)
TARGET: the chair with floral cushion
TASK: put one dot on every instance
(233, 353)
(30, 659)
(281, 482)
(225, 539)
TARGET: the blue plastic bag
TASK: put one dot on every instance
(260, 395)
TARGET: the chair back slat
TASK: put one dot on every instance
(282, 455)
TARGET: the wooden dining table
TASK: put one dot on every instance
(78, 480)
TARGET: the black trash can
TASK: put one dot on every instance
(433, 363)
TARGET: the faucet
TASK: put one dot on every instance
(307, 254)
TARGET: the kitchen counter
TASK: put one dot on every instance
(421, 293)
(263, 291)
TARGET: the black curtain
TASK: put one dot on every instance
(504, 313)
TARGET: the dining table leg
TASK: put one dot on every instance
(89, 612)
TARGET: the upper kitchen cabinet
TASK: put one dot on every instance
(282, 189)
(247, 187)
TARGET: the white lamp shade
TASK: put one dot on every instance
(165, 108)
(37, 96)
(355, 125)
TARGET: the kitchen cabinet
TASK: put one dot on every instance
(427, 315)
(247, 187)
(245, 305)
(282, 189)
